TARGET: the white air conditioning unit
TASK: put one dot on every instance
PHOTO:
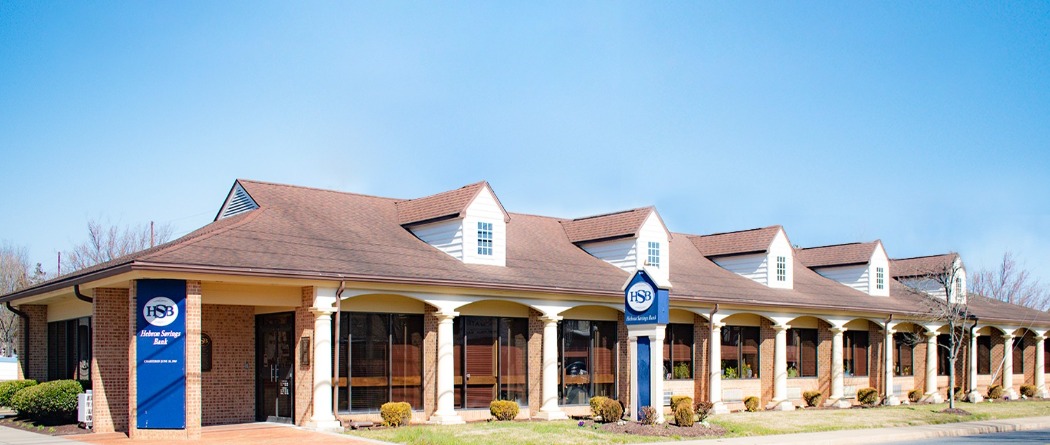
(84, 409)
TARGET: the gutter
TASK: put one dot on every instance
(24, 352)
(80, 296)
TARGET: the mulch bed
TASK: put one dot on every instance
(50, 430)
(958, 411)
(665, 430)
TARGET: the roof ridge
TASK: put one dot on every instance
(855, 243)
(316, 189)
(618, 212)
(775, 226)
(473, 184)
(174, 244)
(923, 256)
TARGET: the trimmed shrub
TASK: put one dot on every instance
(647, 415)
(611, 410)
(684, 415)
(680, 400)
(504, 409)
(703, 409)
(751, 404)
(915, 395)
(813, 398)
(396, 414)
(868, 396)
(9, 388)
(995, 392)
(597, 402)
(959, 394)
(1028, 391)
(49, 402)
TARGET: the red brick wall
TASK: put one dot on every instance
(1029, 358)
(624, 344)
(919, 363)
(109, 360)
(304, 374)
(766, 347)
(228, 390)
(877, 357)
(535, 361)
(35, 350)
(701, 349)
(998, 352)
(430, 345)
(824, 343)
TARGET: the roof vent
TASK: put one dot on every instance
(239, 201)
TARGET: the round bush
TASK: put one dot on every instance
(396, 414)
(995, 392)
(612, 411)
(684, 415)
(504, 409)
(813, 398)
(597, 402)
(9, 388)
(868, 396)
(647, 415)
(1028, 391)
(49, 402)
(959, 394)
(678, 400)
(915, 395)
(751, 404)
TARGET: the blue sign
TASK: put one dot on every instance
(644, 375)
(160, 346)
(645, 302)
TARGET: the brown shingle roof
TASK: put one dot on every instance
(920, 266)
(450, 204)
(837, 255)
(735, 243)
(625, 224)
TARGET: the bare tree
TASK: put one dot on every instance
(108, 242)
(14, 276)
(1011, 283)
(942, 291)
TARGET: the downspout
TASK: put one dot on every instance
(335, 361)
(23, 353)
(80, 296)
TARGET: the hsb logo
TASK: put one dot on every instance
(640, 296)
(160, 311)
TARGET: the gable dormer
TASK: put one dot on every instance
(468, 223)
(631, 240)
(862, 266)
(764, 255)
(939, 276)
(237, 201)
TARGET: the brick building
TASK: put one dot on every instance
(313, 306)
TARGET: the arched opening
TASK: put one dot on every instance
(588, 352)
(490, 353)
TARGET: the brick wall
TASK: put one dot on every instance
(624, 346)
(1029, 359)
(109, 360)
(766, 348)
(35, 349)
(876, 357)
(304, 374)
(535, 361)
(919, 363)
(998, 352)
(701, 367)
(824, 345)
(430, 346)
(228, 390)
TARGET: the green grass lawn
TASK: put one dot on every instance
(738, 424)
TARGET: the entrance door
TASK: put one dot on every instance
(274, 364)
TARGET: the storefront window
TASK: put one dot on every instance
(588, 360)
(69, 349)
(943, 342)
(493, 352)
(678, 351)
(903, 344)
(740, 352)
(984, 355)
(384, 362)
(801, 353)
(855, 353)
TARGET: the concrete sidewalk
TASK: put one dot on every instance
(883, 435)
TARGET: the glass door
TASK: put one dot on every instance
(274, 367)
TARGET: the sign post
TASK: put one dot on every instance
(646, 314)
(160, 345)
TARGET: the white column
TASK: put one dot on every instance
(973, 395)
(322, 418)
(780, 401)
(931, 395)
(838, 377)
(1040, 367)
(891, 398)
(714, 369)
(1008, 367)
(656, 375)
(445, 414)
(549, 391)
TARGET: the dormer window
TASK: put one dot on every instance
(782, 268)
(485, 238)
(880, 278)
(958, 289)
(653, 258)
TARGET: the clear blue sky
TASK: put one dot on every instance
(924, 124)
